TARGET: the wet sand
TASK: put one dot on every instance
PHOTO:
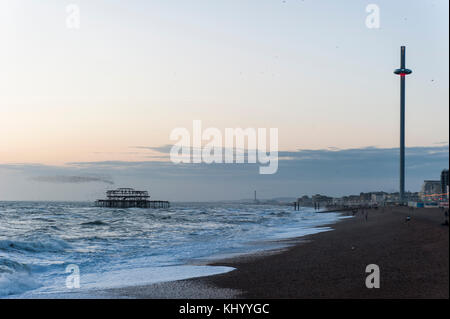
(413, 258)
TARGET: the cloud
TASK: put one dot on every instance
(62, 179)
(333, 172)
(161, 149)
(338, 165)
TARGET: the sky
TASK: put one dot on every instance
(91, 108)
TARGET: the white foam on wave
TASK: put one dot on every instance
(16, 283)
(90, 283)
(145, 276)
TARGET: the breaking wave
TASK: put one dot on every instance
(48, 245)
(15, 278)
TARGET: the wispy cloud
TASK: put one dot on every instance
(441, 143)
(161, 149)
(62, 179)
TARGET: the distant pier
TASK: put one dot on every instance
(130, 198)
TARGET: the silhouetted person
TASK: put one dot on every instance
(446, 218)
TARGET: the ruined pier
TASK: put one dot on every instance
(130, 198)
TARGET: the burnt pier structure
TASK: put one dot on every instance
(130, 198)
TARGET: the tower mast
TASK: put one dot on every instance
(403, 71)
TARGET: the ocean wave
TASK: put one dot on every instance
(95, 223)
(46, 245)
(15, 278)
(99, 241)
(281, 214)
(10, 266)
(16, 283)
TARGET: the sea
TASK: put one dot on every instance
(65, 249)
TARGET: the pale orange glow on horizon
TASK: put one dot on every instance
(127, 79)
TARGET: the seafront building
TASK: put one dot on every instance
(444, 183)
(322, 200)
(430, 189)
(433, 193)
(378, 197)
(363, 199)
(305, 201)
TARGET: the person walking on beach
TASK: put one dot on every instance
(446, 217)
(407, 220)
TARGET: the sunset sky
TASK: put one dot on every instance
(94, 101)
